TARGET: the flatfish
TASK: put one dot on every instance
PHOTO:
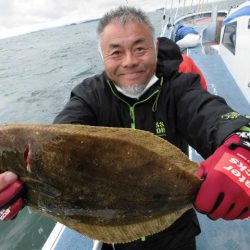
(111, 184)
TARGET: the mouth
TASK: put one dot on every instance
(131, 75)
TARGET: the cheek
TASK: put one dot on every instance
(150, 58)
(111, 66)
(150, 63)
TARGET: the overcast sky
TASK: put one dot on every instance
(22, 16)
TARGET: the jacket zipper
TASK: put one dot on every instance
(132, 108)
(132, 116)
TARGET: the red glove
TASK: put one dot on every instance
(11, 201)
(225, 192)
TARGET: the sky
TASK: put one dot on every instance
(23, 16)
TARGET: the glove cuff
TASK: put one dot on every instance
(241, 138)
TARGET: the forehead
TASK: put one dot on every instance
(119, 33)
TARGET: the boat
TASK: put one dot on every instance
(223, 34)
(234, 46)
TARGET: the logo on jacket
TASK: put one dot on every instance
(160, 129)
(230, 116)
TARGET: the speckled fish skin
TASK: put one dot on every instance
(111, 184)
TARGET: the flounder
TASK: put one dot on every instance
(111, 184)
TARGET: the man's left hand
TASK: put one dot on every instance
(225, 191)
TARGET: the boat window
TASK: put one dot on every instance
(229, 36)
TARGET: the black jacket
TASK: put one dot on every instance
(176, 108)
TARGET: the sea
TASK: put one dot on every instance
(37, 72)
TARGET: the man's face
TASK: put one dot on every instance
(129, 53)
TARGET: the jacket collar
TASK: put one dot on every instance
(149, 92)
(152, 81)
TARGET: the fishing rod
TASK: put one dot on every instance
(177, 11)
(170, 13)
(164, 16)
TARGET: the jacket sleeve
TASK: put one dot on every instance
(203, 119)
(77, 110)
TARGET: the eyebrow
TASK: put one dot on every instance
(116, 45)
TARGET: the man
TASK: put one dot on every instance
(143, 90)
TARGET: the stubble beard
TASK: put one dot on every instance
(133, 89)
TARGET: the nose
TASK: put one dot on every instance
(129, 60)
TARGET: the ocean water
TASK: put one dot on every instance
(37, 72)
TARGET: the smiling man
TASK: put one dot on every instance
(141, 88)
(129, 52)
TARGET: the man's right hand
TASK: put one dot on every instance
(11, 191)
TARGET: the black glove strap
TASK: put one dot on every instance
(242, 144)
(244, 140)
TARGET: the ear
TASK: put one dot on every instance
(156, 45)
(156, 48)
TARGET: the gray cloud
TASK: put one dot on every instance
(6, 7)
(20, 16)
